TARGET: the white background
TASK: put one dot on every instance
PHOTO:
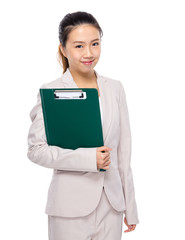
(143, 46)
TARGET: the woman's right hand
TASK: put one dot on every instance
(103, 158)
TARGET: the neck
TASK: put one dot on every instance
(84, 78)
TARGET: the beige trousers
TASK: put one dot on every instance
(104, 223)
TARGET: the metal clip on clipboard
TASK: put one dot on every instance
(70, 94)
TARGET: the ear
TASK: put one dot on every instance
(62, 49)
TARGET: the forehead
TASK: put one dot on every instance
(85, 32)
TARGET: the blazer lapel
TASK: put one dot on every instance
(105, 97)
(106, 101)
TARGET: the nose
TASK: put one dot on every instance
(88, 53)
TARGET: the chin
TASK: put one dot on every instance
(88, 68)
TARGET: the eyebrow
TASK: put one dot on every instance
(97, 39)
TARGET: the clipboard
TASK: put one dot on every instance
(72, 117)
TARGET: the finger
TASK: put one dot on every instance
(127, 230)
(107, 158)
(108, 149)
(104, 148)
(106, 153)
(106, 168)
(107, 162)
(130, 228)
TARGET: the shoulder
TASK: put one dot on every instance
(115, 84)
(112, 81)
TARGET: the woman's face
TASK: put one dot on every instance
(83, 48)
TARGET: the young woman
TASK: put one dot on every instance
(83, 202)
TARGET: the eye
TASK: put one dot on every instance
(95, 44)
(78, 46)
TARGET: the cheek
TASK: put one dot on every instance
(97, 52)
(73, 56)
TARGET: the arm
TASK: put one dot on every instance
(39, 152)
(124, 159)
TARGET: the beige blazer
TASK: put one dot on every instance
(76, 185)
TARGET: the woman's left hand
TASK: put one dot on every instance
(130, 227)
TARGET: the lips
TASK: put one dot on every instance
(87, 62)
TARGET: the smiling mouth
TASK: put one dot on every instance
(87, 62)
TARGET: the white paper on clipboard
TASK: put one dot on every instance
(70, 94)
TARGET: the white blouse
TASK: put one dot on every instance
(101, 111)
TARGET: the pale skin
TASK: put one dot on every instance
(83, 49)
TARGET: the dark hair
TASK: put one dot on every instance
(68, 23)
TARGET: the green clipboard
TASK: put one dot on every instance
(72, 117)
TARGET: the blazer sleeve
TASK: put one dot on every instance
(124, 159)
(39, 152)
